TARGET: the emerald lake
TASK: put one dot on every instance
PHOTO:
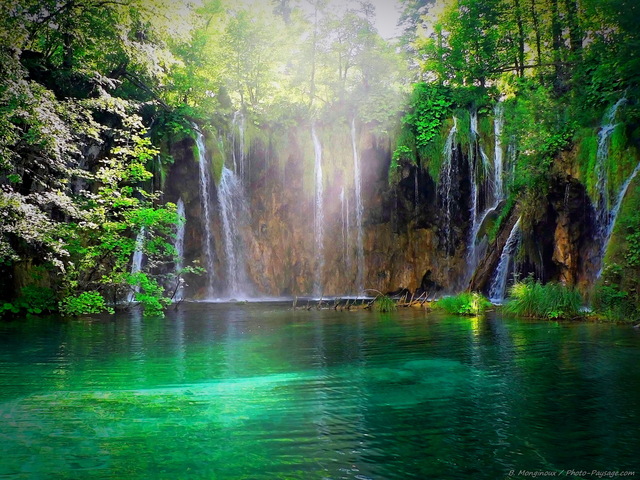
(258, 391)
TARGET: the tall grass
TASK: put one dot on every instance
(384, 304)
(466, 303)
(530, 298)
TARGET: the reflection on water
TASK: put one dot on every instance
(261, 392)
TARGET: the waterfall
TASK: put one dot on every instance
(238, 125)
(233, 211)
(605, 216)
(136, 263)
(318, 225)
(498, 126)
(179, 246)
(499, 283)
(446, 180)
(476, 218)
(473, 180)
(357, 175)
(346, 226)
(602, 202)
(205, 201)
(613, 215)
(475, 138)
(498, 192)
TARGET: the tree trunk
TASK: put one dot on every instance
(536, 28)
(521, 39)
(575, 37)
(557, 46)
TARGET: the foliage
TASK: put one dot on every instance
(617, 294)
(384, 304)
(465, 303)
(429, 106)
(614, 304)
(84, 304)
(530, 298)
(33, 300)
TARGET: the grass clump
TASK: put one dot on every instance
(530, 298)
(466, 303)
(384, 304)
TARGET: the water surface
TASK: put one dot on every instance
(261, 392)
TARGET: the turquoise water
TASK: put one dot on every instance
(262, 392)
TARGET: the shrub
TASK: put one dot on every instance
(466, 303)
(33, 300)
(614, 305)
(84, 304)
(384, 304)
(530, 298)
(150, 295)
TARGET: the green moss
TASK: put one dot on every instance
(623, 158)
(217, 152)
(431, 155)
(485, 129)
(617, 295)
(587, 154)
(504, 214)
(464, 129)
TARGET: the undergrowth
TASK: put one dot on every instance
(466, 303)
(530, 298)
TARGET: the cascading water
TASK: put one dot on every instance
(498, 191)
(357, 176)
(136, 263)
(602, 156)
(613, 215)
(446, 181)
(605, 216)
(346, 226)
(473, 181)
(205, 201)
(238, 127)
(318, 224)
(179, 246)
(499, 282)
(475, 139)
(498, 126)
(233, 212)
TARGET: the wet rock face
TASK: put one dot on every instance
(407, 239)
(574, 239)
(402, 224)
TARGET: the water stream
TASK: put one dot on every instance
(234, 215)
(318, 224)
(498, 167)
(204, 168)
(179, 246)
(136, 263)
(607, 209)
(446, 182)
(357, 175)
(238, 127)
(613, 215)
(477, 220)
(498, 288)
